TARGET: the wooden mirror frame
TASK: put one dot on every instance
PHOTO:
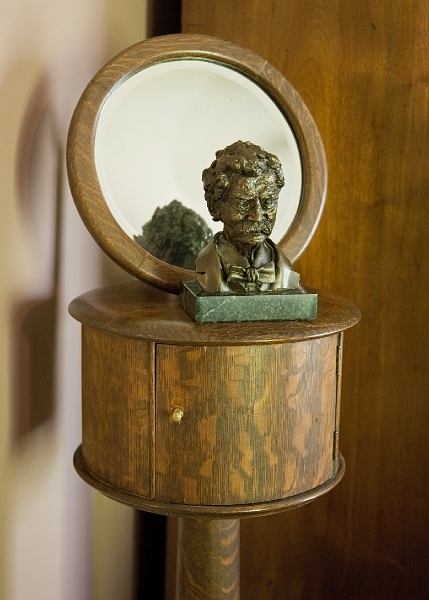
(84, 182)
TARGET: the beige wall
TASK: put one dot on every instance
(58, 540)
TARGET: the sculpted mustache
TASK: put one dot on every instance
(263, 226)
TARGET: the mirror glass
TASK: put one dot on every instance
(159, 129)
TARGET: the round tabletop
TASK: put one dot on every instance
(137, 310)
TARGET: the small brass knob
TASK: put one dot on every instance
(177, 415)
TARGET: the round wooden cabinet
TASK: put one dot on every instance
(221, 420)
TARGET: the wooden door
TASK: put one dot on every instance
(258, 421)
(363, 70)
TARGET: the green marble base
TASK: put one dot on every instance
(287, 305)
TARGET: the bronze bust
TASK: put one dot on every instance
(242, 187)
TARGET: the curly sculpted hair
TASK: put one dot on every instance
(242, 158)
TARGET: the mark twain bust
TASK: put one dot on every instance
(242, 187)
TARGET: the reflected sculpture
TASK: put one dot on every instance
(242, 188)
(175, 234)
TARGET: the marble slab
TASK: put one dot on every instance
(285, 305)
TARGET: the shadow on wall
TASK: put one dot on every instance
(34, 315)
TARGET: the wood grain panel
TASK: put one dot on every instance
(117, 408)
(363, 70)
(257, 422)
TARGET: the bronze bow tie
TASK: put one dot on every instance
(264, 274)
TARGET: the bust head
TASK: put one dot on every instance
(242, 187)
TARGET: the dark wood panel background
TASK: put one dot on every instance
(363, 70)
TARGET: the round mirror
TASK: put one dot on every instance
(152, 119)
(192, 109)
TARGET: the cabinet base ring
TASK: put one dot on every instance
(231, 511)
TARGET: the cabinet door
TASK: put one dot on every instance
(257, 422)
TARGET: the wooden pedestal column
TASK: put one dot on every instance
(222, 420)
(208, 559)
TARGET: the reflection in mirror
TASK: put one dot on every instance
(175, 234)
(159, 128)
